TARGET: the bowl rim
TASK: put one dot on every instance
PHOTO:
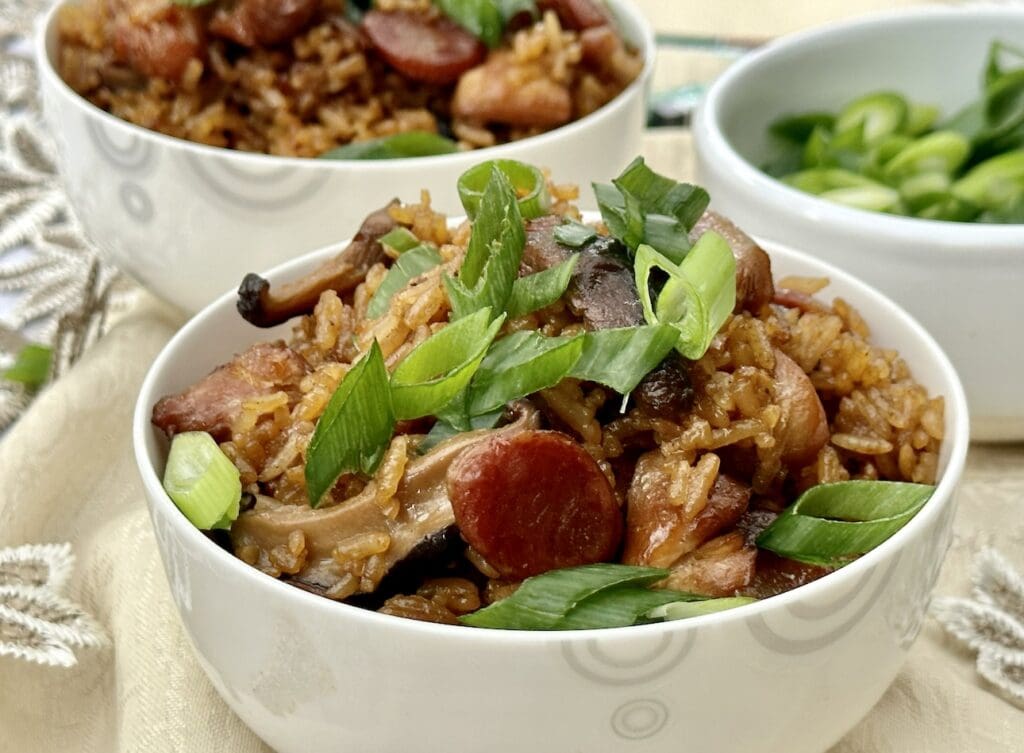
(711, 139)
(193, 540)
(46, 26)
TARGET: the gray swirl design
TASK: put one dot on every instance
(135, 157)
(782, 644)
(136, 201)
(588, 659)
(639, 719)
(263, 191)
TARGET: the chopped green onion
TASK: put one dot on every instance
(202, 481)
(938, 152)
(995, 183)
(798, 128)
(440, 367)
(920, 119)
(444, 429)
(31, 367)
(818, 180)
(543, 601)
(619, 606)
(398, 146)
(880, 114)
(491, 264)
(876, 198)
(511, 8)
(481, 18)
(832, 523)
(925, 189)
(641, 206)
(355, 428)
(518, 365)
(540, 289)
(410, 264)
(574, 234)
(620, 358)
(681, 610)
(399, 240)
(698, 296)
(531, 188)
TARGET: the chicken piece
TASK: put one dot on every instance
(504, 91)
(755, 287)
(803, 429)
(266, 22)
(214, 402)
(721, 567)
(158, 39)
(670, 513)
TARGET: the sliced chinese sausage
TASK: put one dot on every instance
(252, 22)
(534, 502)
(577, 14)
(433, 50)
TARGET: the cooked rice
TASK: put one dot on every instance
(321, 90)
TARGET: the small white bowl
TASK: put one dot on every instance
(308, 674)
(962, 281)
(186, 219)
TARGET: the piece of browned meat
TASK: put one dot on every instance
(663, 524)
(505, 91)
(754, 284)
(803, 428)
(775, 575)
(267, 22)
(722, 567)
(213, 403)
(577, 14)
(603, 293)
(265, 307)
(158, 41)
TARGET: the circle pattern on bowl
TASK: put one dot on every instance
(601, 665)
(135, 156)
(639, 719)
(264, 189)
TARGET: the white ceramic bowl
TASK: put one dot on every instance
(189, 220)
(308, 674)
(962, 281)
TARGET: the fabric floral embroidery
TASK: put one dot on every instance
(991, 623)
(37, 623)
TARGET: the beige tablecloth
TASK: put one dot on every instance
(67, 474)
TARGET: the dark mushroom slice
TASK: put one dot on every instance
(260, 305)
(754, 285)
(603, 292)
(319, 542)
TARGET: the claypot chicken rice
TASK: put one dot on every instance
(306, 77)
(526, 421)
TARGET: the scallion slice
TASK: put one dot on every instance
(355, 428)
(440, 367)
(540, 289)
(542, 601)
(398, 146)
(481, 18)
(620, 358)
(201, 480)
(531, 188)
(880, 114)
(832, 523)
(399, 240)
(574, 234)
(681, 610)
(619, 606)
(410, 264)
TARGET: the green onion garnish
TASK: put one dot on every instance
(441, 366)
(32, 366)
(681, 610)
(620, 358)
(355, 428)
(574, 234)
(399, 240)
(202, 481)
(543, 601)
(398, 146)
(540, 289)
(481, 18)
(697, 298)
(531, 189)
(832, 523)
(410, 264)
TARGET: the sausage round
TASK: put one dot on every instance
(436, 51)
(252, 22)
(160, 46)
(577, 14)
(534, 502)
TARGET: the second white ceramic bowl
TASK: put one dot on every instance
(307, 674)
(962, 281)
(189, 220)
